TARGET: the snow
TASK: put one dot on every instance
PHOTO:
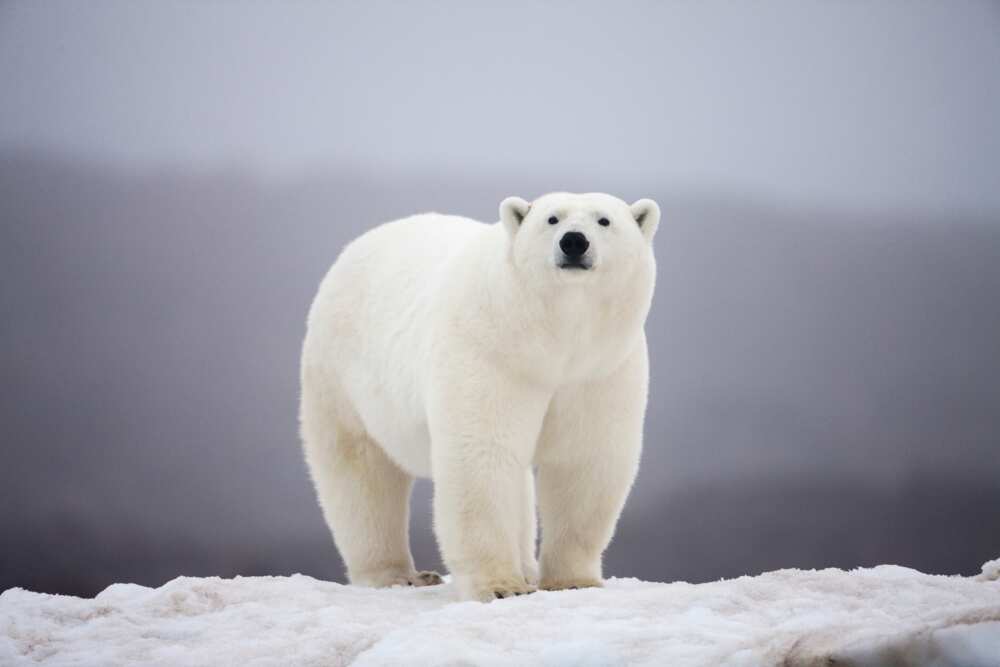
(991, 570)
(882, 615)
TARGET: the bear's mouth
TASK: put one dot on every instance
(571, 265)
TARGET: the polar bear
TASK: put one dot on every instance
(477, 354)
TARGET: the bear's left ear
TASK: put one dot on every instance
(647, 215)
(512, 213)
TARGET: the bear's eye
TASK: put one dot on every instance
(553, 220)
(604, 222)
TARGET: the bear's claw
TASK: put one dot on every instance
(570, 584)
(501, 590)
(425, 578)
(388, 578)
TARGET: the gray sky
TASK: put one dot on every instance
(870, 105)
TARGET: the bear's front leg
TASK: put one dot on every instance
(484, 428)
(588, 455)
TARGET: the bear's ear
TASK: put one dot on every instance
(647, 215)
(512, 212)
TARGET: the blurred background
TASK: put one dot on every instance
(175, 179)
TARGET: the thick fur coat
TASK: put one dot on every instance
(490, 358)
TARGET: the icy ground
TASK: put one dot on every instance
(884, 615)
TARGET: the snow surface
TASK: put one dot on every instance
(991, 570)
(884, 615)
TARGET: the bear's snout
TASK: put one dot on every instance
(574, 244)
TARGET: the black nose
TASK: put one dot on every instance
(574, 244)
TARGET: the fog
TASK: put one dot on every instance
(825, 335)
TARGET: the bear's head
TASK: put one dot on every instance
(581, 238)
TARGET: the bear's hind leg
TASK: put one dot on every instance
(365, 500)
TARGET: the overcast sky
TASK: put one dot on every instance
(888, 104)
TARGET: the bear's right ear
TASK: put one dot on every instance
(512, 213)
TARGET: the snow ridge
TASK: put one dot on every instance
(881, 615)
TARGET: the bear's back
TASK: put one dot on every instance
(369, 324)
(390, 268)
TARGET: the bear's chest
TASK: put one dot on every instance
(585, 337)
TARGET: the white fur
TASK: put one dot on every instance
(441, 347)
